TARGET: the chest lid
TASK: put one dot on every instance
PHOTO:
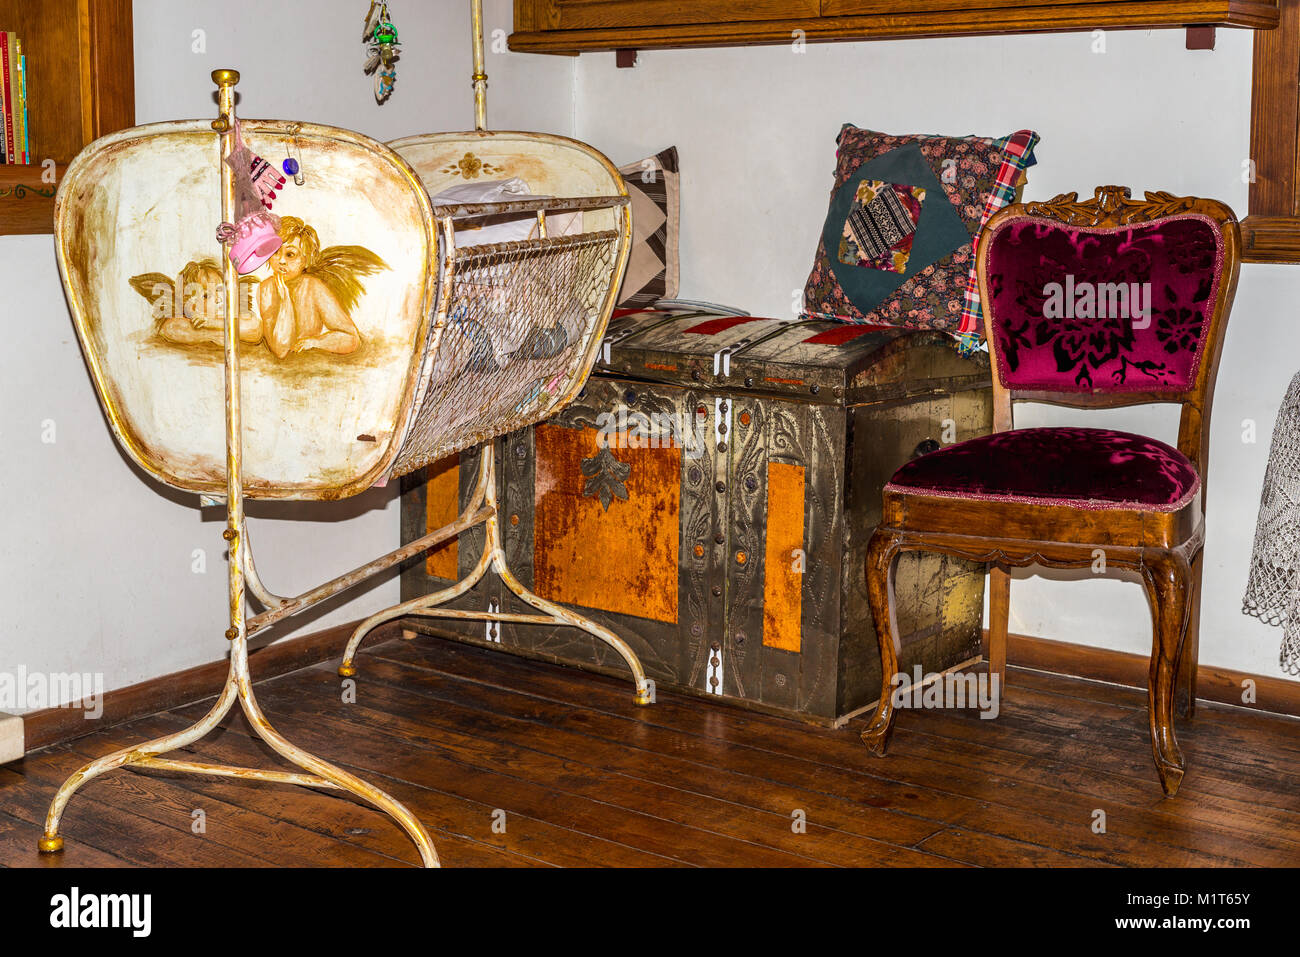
(826, 362)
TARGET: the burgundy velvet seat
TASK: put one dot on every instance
(1081, 468)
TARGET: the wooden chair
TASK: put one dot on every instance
(1072, 498)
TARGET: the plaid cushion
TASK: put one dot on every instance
(1019, 148)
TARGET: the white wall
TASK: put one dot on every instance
(756, 132)
(96, 571)
(97, 574)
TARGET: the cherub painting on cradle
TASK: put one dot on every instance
(306, 304)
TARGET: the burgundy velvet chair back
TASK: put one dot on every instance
(1113, 298)
(1059, 328)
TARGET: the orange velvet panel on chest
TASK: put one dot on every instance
(442, 506)
(607, 523)
(784, 566)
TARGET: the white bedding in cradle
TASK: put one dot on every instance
(498, 191)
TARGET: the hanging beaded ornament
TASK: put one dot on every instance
(381, 38)
(292, 166)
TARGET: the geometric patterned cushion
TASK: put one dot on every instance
(931, 284)
(1080, 468)
(652, 268)
(938, 233)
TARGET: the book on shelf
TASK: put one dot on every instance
(15, 137)
(22, 98)
(6, 125)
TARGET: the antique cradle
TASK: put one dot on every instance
(450, 345)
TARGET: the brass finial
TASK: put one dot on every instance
(225, 81)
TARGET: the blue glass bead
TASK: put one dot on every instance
(290, 166)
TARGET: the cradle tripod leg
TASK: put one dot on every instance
(51, 841)
(494, 557)
(557, 613)
(413, 607)
(238, 686)
(478, 499)
(337, 777)
(560, 615)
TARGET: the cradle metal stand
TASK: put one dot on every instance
(243, 578)
(483, 508)
(239, 685)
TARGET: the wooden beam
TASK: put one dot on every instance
(1271, 233)
(842, 20)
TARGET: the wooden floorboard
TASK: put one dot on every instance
(840, 759)
(471, 739)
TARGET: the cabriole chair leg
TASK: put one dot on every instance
(1169, 581)
(882, 560)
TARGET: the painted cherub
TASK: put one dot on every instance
(190, 310)
(308, 302)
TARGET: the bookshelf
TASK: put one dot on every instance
(81, 63)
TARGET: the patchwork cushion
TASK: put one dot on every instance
(652, 268)
(879, 228)
(929, 197)
(1081, 468)
(1086, 309)
(939, 231)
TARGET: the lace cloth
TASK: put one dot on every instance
(1273, 589)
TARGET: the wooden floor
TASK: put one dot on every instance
(586, 778)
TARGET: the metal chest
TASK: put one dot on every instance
(709, 497)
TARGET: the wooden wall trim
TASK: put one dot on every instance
(57, 725)
(1271, 233)
(536, 27)
(112, 67)
(1221, 685)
